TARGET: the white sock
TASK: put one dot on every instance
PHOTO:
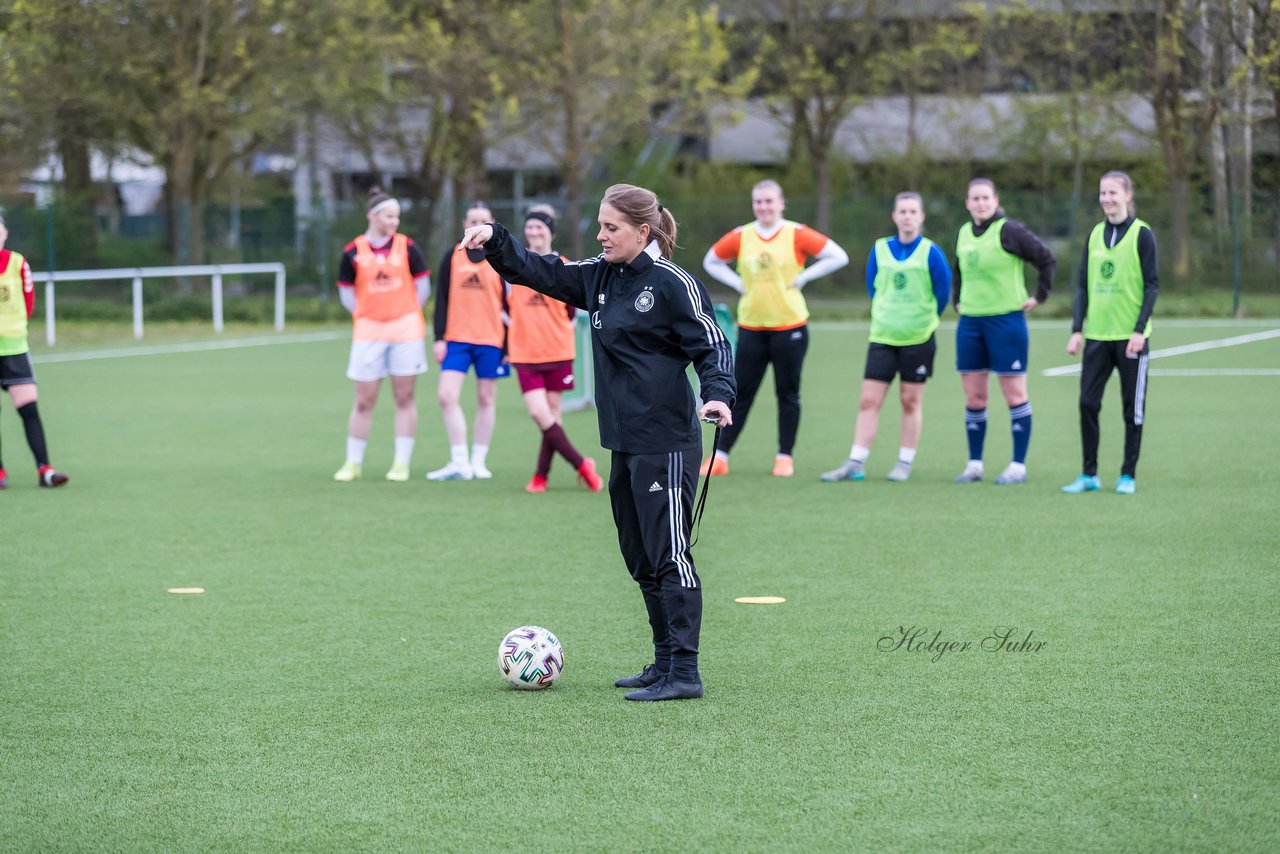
(404, 449)
(458, 455)
(355, 449)
(724, 455)
(907, 455)
(478, 455)
(1020, 468)
(975, 464)
(859, 454)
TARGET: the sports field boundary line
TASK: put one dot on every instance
(189, 347)
(1214, 372)
(1198, 347)
(1064, 324)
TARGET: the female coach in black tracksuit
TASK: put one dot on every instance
(650, 319)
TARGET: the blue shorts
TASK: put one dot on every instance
(487, 359)
(996, 343)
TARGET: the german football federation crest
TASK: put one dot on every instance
(1108, 269)
(644, 302)
(899, 281)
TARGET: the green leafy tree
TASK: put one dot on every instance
(1255, 32)
(1068, 61)
(54, 58)
(815, 59)
(921, 53)
(595, 75)
(1172, 49)
(429, 106)
(197, 84)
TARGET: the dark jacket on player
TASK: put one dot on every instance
(1111, 235)
(1016, 239)
(649, 320)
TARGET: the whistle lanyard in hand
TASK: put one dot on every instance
(696, 526)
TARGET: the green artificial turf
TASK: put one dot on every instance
(336, 689)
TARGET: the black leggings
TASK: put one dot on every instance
(756, 349)
(1100, 359)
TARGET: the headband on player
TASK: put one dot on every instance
(377, 200)
(543, 218)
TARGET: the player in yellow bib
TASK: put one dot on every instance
(909, 283)
(1118, 285)
(991, 296)
(17, 302)
(773, 320)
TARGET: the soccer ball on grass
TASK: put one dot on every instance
(530, 658)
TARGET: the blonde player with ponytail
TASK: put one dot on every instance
(1118, 285)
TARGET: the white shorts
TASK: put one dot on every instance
(373, 360)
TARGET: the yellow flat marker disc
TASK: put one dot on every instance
(185, 590)
(760, 600)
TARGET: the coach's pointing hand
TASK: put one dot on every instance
(477, 236)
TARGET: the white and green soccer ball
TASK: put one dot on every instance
(530, 658)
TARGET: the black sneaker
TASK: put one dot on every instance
(643, 679)
(668, 689)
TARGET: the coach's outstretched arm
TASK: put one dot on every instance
(551, 275)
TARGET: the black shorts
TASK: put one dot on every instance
(914, 363)
(16, 370)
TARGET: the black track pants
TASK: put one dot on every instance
(1100, 359)
(757, 348)
(652, 496)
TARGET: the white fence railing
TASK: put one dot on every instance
(137, 274)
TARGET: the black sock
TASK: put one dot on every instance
(35, 433)
(684, 668)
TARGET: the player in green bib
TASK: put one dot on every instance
(991, 337)
(1118, 285)
(909, 283)
(17, 302)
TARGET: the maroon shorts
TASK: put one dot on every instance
(553, 376)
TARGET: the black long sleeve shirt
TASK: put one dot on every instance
(649, 320)
(1016, 239)
(1111, 235)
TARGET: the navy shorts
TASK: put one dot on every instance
(913, 362)
(996, 343)
(460, 356)
(16, 370)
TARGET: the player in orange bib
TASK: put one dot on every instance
(17, 302)
(773, 327)
(471, 331)
(541, 344)
(383, 281)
